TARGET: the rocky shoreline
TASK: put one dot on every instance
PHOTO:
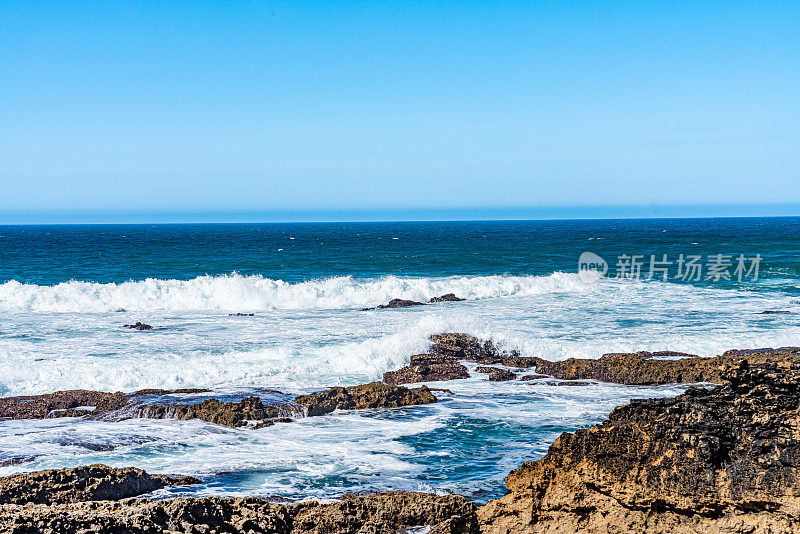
(721, 459)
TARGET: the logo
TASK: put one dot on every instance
(591, 267)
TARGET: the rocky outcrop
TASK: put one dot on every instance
(72, 403)
(427, 368)
(354, 514)
(87, 483)
(372, 395)
(138, 326)
(646, 368)
(248, 412)
(403, 303)
(721, 460)
(776, 312)
(468, 348)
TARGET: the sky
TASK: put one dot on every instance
(178, 111)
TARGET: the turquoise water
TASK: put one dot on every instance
(65, 291)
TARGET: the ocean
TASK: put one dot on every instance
(66, 291)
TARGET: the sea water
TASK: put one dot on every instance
(66, 291)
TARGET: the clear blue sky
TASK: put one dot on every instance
(182, 110)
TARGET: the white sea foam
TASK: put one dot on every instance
(235, 292)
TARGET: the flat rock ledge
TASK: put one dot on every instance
(250, 412)
(87, 483)
(355, 514)
(653, 368)
(710, 460)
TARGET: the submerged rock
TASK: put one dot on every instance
(427, 368)
(449, 297)
(138, 326)
(87, 483)
(354, 514)
(776, 312)
(372, 395)
(241, 314)
(726, 459)
(645, 368)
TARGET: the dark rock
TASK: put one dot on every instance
(88, 483)
(496, 374)
(400, 303)
(466, 347)
(241, 314)
(721, 460)
(138, 326)
(642, 368)
(355, 514)
(60, 404)
(427, 368)
(532, 377)
(449, 297)
(372, 395)
(775, 312)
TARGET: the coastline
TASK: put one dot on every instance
(524, 508)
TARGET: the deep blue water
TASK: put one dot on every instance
(47, 255)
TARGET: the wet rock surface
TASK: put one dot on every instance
(468, 348)
(427, 368)
(354, 514)
(720, 460)
(248, 412)
(649, 368)
(403, 303)
(449, 297)
(87, 483)
(71, 403)
(138, 326)
(496, 374)
(372, 395)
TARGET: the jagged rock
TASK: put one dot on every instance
(60, 404)
(775, 312)
(241, 314)
(721, 460)
(354, 514)
(372, 395)
(533, 377)
(138, 326)
(643, 368)
(449, 297)
(396, 303)
(469, 348)
(87, 483)
(427, 368)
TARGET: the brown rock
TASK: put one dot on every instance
(87, 483)
(721, 460)
(354, 514)
(427, 368)
(642, 368)
(466, 347)
(60, 404)
(372, 395)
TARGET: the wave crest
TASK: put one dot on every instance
(235, 292)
